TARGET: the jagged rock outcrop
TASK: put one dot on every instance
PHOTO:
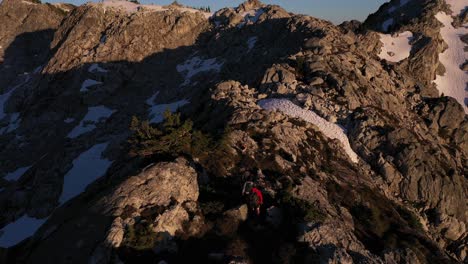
(414, 181)
(65, 159)
(163, 197)
(417, 17)
(248, 13)
(116, 36)
(37, 127)
(25, 34)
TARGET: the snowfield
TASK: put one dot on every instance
(195, 65)
(330, 130)
(396, 48)
(16, 175)
(19, 230)
(88, 167)
(156, 111)
(454, 82)
(95, 115)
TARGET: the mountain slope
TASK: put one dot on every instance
(438, 53)
(359, 159)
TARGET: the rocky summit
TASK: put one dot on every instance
(128, 133)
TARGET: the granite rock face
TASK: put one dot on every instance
(25, 35)
(65, 118)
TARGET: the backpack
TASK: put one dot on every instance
(254, 200)
(247, 189)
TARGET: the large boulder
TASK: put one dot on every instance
(162, 197)
(445, 115)
(279, 79)
(228, 225)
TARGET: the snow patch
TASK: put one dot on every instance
(88, 167)
(38, 69)
(69, 120)
(196, 65)
(13, 124)
(251, 16)
(331, 130)
(386, 24)
(457, 6)
(191, 10)
(6, 96)
(103, 39)
(130, 7)
(16, 175)
(62, 6)
(3, 99)
(15, 120)
(251, 43)
(95, 115)
(150, 101)
(394, 8)
(396, 48)
(208, 15)
(88, 83)
(96, 68)
(28, 2)
(156, 112)
(19, 230)
(454, 82)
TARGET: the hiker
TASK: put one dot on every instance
(256, 200)
(253, 196)
(247, 189)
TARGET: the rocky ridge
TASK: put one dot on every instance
(403, 202)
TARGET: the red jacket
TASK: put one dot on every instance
(259, 194)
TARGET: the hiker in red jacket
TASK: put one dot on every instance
(256, 200)
(253, 196)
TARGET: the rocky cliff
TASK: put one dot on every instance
(360, 157)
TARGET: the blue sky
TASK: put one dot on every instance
(334, 10)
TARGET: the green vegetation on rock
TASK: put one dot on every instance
(173, 138)
(176, 137)
(301, 209)
(140, 236)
